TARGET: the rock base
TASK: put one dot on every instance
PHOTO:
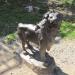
(32, 60)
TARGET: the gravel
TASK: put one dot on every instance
(62, 52)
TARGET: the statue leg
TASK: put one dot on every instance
(42, 50)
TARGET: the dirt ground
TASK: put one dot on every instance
(63, 54)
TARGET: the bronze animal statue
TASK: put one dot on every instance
(42, 34)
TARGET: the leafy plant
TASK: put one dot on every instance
(67, 29)
(70, 3)
(9, 38)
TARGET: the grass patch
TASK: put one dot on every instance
(67, 30)
(9, 38)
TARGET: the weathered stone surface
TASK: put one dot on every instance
(33, 61)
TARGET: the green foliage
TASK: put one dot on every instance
(12, 12)
(67, 29)
(68, 2)
(11, 16)
(9, 38)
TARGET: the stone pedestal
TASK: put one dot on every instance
(41, 68)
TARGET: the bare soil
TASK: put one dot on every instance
(63, 54)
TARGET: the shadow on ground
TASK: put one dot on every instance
(7, 63)
(51, 67)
